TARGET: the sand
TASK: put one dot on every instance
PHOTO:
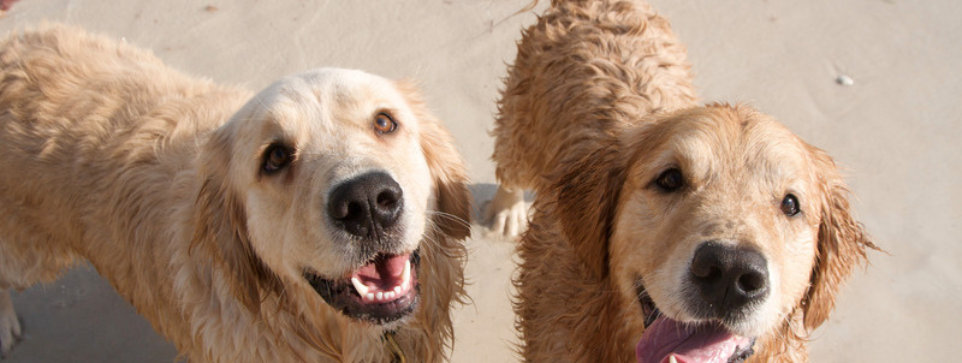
(874, 82)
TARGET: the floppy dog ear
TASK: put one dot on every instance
(842, 243)
(587, 197)
(447, 169)
(221, 226)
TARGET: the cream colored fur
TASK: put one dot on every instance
(110, 156)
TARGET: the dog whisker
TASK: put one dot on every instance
(450, 216)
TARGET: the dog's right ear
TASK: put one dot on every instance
(220, 230)
(587, 196)
(450, 180)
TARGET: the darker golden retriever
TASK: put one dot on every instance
(662, 230)
(318, 220)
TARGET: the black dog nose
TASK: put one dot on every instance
(367, 204)
(729, 277)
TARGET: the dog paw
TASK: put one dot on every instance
(507, 213)
(9, 325)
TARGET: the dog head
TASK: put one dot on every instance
(717, 224)
(333, 181)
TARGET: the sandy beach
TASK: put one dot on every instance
(876, 83)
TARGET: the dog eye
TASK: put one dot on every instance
(276, 158)
(790, 205)
(384, 123)
(670, 180)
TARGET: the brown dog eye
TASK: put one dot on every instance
(384, 123)
(790, 205)
(670, 180)
(276, 158)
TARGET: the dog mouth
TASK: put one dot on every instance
(666, 340)
(383, 290)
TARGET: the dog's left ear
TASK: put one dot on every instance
(842, 242)
(453, 214)
(221, 226)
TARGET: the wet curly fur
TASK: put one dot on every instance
(600, 101)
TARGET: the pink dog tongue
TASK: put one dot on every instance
(384, 273)
(689, 344)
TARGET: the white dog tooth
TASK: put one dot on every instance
(406, 275)
(380, 295)
(671, 359)
(369, 296)
(361, 288)
(389, 295)
(397, 290)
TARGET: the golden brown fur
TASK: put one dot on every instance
(578, 50)
(597, 105)
(109, 155)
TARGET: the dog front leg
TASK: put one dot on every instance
(507, 212)
(9, 325)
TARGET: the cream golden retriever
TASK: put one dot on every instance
(318, 220)
(663, 231)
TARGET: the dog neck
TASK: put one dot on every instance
(393, 347)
